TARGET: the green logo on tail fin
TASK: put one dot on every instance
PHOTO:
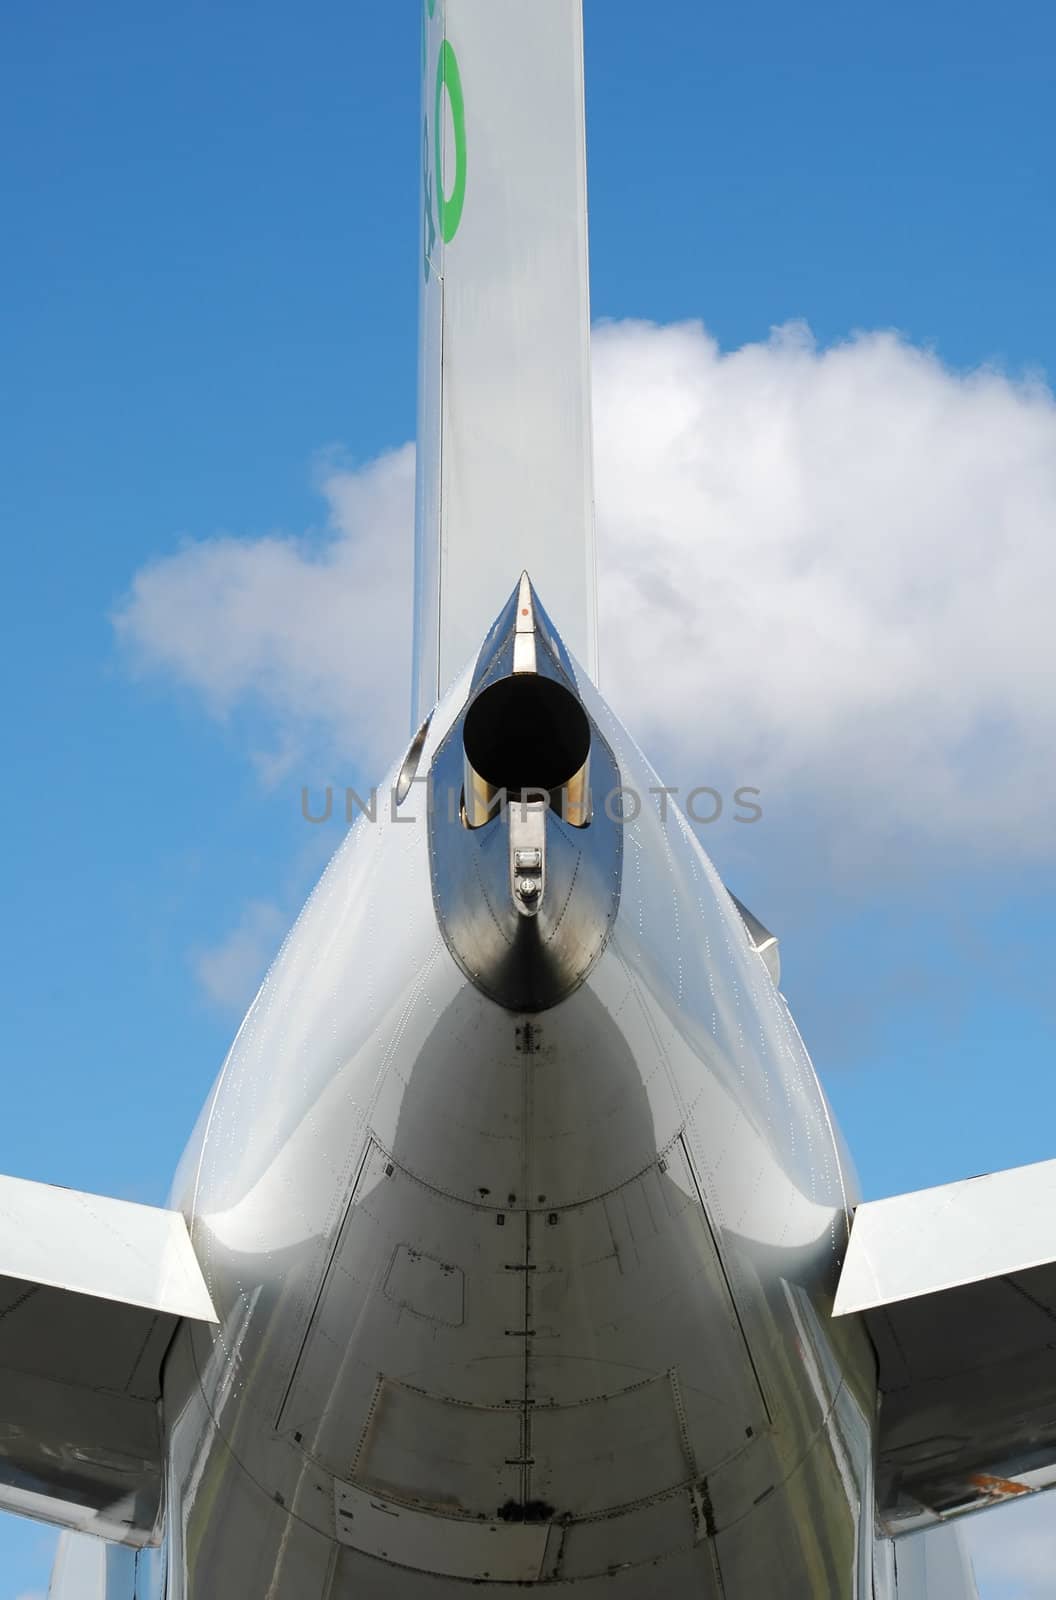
(449, 206)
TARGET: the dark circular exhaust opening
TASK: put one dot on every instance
(526, 732)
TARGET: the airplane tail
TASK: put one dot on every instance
(505, 476)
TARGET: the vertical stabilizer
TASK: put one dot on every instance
(504, 432)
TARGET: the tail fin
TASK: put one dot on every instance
(505, 476)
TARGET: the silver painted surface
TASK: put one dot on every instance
(110, 1249)
(453, 1547)
(91, 1291)
(957, 1287)
(525, 902)
(504, 432)
(87, 1568)
(954, 1234)
(544, 1288)
(765, 942)
(527, 1287)
(968, 1398)
(932, 1565)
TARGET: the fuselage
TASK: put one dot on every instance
(510, 1296)
(518, 1201)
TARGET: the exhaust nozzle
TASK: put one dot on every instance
(526, 883)
(526, 737)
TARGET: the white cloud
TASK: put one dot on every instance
(830, 573)
(308, 629)
(231, 972)
(1013, 1549)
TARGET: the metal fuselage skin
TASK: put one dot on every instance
(538, 1297)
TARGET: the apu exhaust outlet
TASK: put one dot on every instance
(525, 737)
(526, 875)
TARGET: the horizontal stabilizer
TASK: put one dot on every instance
(957, 1286)
(91, 1292)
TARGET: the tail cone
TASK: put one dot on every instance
(525, 877)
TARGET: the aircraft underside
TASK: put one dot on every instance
(535, 1296)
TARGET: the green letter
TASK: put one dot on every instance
(449, 207)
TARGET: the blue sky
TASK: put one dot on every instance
(211, 273)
